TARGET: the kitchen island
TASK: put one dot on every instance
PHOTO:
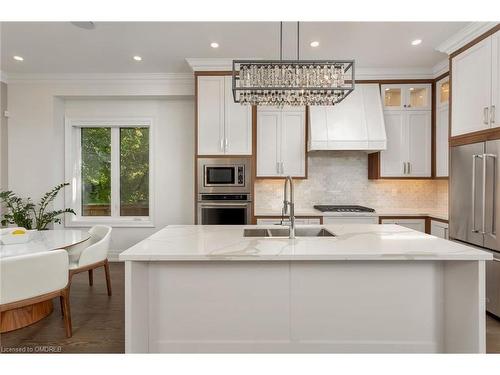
(368, 288)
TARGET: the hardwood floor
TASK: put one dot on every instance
(492, 334)
(99, 321)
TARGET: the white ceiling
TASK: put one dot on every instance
(60, 47)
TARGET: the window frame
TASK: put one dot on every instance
(73, 156)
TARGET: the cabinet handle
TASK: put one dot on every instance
(222, 144)
(282, 168)
(409, 168)
(492, 114)
(485, 116)
(404, 167)
(409, 105)
(404, 105)
(278, 167)
(226, 141)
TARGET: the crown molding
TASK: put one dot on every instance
(464, 36)
(225, 64)
(393, 73)
(441, 68)
(101, 77)
(3, 77)
(213, 64)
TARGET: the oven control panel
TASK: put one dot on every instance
(241, 175)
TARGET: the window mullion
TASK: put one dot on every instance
(115, 172)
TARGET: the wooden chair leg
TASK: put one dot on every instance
(61, 301)
(91, 277)
(67, 313)
(108, 278)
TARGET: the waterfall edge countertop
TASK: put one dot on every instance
(351, 242)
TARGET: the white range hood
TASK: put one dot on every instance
(356, 123)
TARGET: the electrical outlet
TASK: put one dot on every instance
(6, 114)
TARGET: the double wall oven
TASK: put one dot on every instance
(224, 191)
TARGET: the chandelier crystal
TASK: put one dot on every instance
(292, 82)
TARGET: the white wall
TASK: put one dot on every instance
(36, 139)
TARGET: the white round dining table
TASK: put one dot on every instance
(40, 241)
(45, 240)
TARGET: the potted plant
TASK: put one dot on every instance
(23, 212)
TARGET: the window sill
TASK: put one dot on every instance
(112, 222)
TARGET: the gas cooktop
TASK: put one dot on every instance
(342, 208)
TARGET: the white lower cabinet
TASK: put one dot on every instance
(299, 221)
(281, 142)
(350, 220)
(439, 229)
(416, 224)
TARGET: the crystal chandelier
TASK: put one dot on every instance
(292, 82)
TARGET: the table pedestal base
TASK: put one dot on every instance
(24, 316)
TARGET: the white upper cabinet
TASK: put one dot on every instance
(398, 97)
(475, 86)
(408, 126)
(211, 115)
(418, 126)
(281, 142)
(442, 128)
(393, 158)
(224, 127)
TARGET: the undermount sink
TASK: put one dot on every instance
(284, 232)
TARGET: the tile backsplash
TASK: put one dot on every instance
(340, 177)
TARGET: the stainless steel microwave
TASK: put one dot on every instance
(224, 175)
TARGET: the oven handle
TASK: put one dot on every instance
(232, 204)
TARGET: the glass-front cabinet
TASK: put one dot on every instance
(399, 97)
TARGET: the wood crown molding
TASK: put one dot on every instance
(464, 36)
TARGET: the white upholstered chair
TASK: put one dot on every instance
(92, 254)
(33, 278)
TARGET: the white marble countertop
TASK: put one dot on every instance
(352, 242)
(433, 213)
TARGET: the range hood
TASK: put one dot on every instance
(356, 123)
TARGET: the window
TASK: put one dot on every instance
(109, 166)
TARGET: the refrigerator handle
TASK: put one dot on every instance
(493, 215)
(483, 201)
(474, 157)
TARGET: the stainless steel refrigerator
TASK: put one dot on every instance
(475, 207)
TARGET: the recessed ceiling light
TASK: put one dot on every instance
(411, 89)
(214, 45)
(137, 58)
(18, 58)
(386, 89)
(416, 42)
(315, 43)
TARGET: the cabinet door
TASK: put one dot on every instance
(439, 229)
(350, 220)
(419, 143)
(293, 143)
(442, 131)
(392, 97)
(442, 126)
(237, 124)
(268, 141)
(471, 89)
(210, 115)
(392, 159)
(495, 88)
(415, 224)
(417, 97)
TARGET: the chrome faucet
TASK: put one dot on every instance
(288, 204)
